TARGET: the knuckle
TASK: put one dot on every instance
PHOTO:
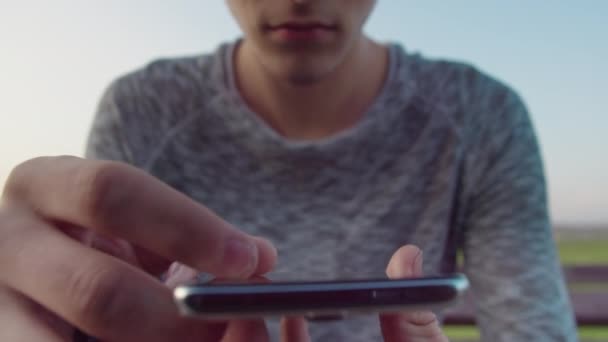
(19, 177)
(424, 318)
(99, 300)
(12, 228)
(15, 226)
(7, 218)
(104, 190)
(428, 326)
(10, 220)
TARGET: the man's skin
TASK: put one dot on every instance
(82, 242)
(306, 89)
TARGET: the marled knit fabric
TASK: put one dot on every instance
(446, 158)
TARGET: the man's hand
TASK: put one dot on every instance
(82, 244)
(293, 329)
(420, 326)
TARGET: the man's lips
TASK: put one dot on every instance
(302, 26)
(293, 31)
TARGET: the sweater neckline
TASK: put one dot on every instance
(252, 120)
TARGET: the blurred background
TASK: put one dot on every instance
(57, 57)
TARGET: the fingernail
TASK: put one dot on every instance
(267, 245)
(417, 265)
(264, 246)
(267, 255)
(179, 274)
(173, 269)
(240, 258)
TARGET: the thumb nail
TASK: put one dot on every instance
(417, 265)
(179, 274)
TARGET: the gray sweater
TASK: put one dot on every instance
(446, 158)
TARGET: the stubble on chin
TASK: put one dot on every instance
(303, 78)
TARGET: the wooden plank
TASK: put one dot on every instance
(590, 308)
(586, 273)
(461, 314)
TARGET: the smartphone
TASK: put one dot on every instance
(320, 300)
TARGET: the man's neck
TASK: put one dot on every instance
(320, 109)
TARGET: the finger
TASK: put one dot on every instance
(294, 329)
(119, 200)
(267, 256)
(405, 328)
(22, 320)
(117, 248)
(98, 293)
(180, 274)
(407, 262)
(246, 330)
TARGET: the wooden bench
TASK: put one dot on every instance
(588, 288)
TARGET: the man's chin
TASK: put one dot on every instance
(302, 76)
(303, 70)
(304, 79)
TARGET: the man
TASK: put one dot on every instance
(338, 149)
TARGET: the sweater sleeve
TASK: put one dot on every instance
(131, 119)
(139, 111)
(108, 135)
(510, 253)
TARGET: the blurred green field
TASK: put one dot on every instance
(466, 333)
(583, 251)
(587, 250)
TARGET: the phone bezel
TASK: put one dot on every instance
(319, 300)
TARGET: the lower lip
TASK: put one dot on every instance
(313, 34)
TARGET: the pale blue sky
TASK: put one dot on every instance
(57, 56)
